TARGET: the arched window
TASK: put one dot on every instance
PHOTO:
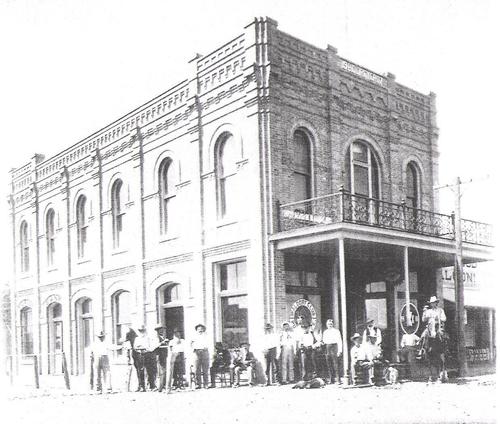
(121, 314)
(26, 324)
(81, 225)
(50, 236)
(167, 194)
(362, 171)
(225, 169)
(117, 211)
(302, 176)
(171, 293)
(24, 246)
(412, 186)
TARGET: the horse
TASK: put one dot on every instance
(432, 347)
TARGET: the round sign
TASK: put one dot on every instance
(409, 324)
(303, 308)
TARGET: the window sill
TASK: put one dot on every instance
(82, 261)
(225, 222)
(115, 252)
(168, 237)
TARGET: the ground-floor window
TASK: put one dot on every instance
(26, 331)
(121, 315)
(233, 303)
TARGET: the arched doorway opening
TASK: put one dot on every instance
(84, 333)
(170, 309)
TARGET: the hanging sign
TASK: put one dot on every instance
(409, 326)
(304, 308)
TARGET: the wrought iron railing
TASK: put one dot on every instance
(347, 207)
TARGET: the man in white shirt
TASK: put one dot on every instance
(270, 351)
(357, 354)
(372, 329)
(100, 358)
(145, 360)
(305, 344)
(288, 345)
(434, 317)
(175, 362)
(200, 344)
(333, 343)
(409, 343)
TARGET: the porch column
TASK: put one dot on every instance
(343, 308)
(407, 284)
(335, 292)
(490, 319)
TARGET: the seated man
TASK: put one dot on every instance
(372, 354)
(358, 357)
(220, 362)
(243, 359)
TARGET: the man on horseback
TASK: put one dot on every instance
(434, 318)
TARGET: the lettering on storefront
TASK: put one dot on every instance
(303, 307)
(410, 325)
(469, 275)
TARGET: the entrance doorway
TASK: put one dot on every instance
(84, 333)
(171, 311)
(55, 337)
(174, 318)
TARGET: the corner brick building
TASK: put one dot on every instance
(277, 179)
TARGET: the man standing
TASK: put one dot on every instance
(143, 353)
(333, 343)
(306, 342)
(371, 328)
(199, 344)
(176, 366)
(270, 351)
(161, 352)
(287, 342)
(100, 357)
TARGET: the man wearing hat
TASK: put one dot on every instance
(144, 363)
(434, 317)
(243, 359)
(332, 340)
(100, 357)
(372, 330)
(161, 352)
(358, 354)
(199, 344)
(288, 344)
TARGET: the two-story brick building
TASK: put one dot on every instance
(278, 178)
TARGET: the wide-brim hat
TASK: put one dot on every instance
(101, 334)
(200, 325)
(141, 328)
(433, 299)
(244, 344)
(356, 336)
(268, 326)
(370, 321)
(285, 323)
(160, 326)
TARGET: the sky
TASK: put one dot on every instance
(69, 67)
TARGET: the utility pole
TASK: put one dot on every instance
(458, 273)
(459, 285)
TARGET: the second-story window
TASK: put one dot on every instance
(24, 247)
(363, 171)
(50, 236)
(167, 193)
(225, 170)
(412, 186)
(117, 211)
(302, 181)
(81, 225)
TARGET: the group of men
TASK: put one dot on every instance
(294, 348)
